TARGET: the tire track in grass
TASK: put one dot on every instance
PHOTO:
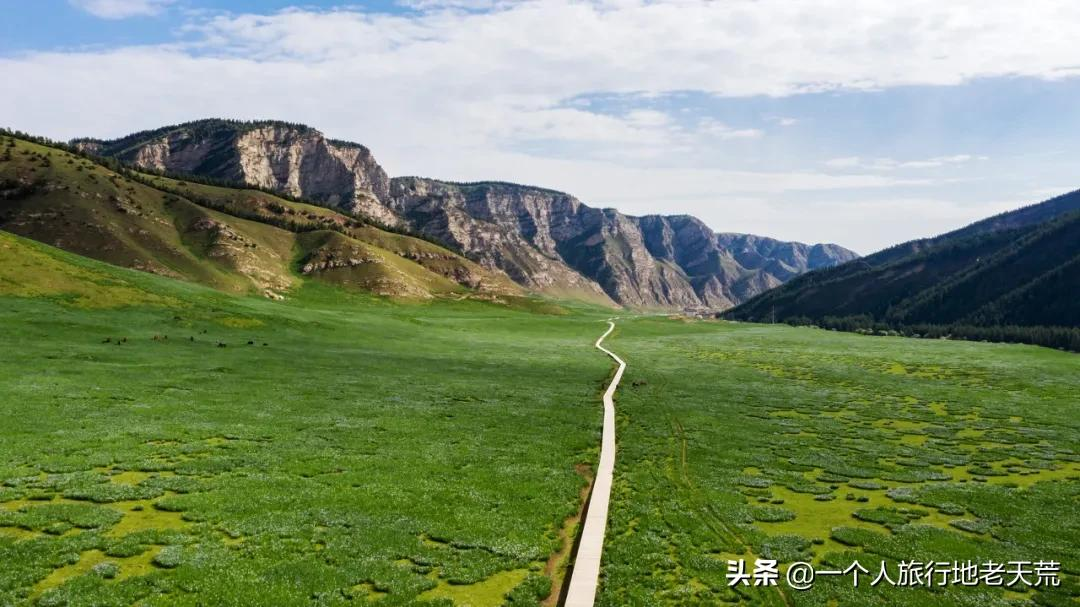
(712, 519)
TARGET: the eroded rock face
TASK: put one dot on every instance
(292, 159)
(232, 249)
(322, 261)
(545, 240)
(508, 229)
(549, 241)
(307, 165)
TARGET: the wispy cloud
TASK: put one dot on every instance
(714, 128)
(474, 5)
(782, 120)
(889, 164)
(121, 9)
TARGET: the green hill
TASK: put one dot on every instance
(231, 239)
(1013, 277)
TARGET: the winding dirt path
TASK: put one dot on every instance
(586, 572)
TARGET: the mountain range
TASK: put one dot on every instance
(268, 207)
(1019, 269)
(545, 241)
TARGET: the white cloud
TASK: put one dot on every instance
(501, 72)
(450, 91)
(937, 161)
(846, 162)
(739, 47)
(954, 159)
(648, 118)
(449, 4)
(640, 127)
(121, 9)
(715, 128)
(889, 164)
(782, 120)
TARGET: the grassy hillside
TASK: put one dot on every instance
(28, 269)
(1019, 271)
(230, 239)
(166, 443)
(741, 441)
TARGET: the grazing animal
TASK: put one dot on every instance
(220, 344)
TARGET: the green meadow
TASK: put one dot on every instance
(167, 444)
(742, 441)
(198, 448)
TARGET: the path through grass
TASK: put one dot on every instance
(745, 441)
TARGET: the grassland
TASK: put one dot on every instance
(164, 443)
(173, 445)
(745, 441)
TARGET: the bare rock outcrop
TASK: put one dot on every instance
(544, 240)
(287, 158)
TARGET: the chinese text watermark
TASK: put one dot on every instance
(800, 575)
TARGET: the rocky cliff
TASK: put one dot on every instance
(545, 240)
(292, 159)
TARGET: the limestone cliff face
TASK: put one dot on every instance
(504, 227)
(293, 159)
(547, 241)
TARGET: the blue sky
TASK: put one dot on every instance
(861, 123)
(59, 24)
